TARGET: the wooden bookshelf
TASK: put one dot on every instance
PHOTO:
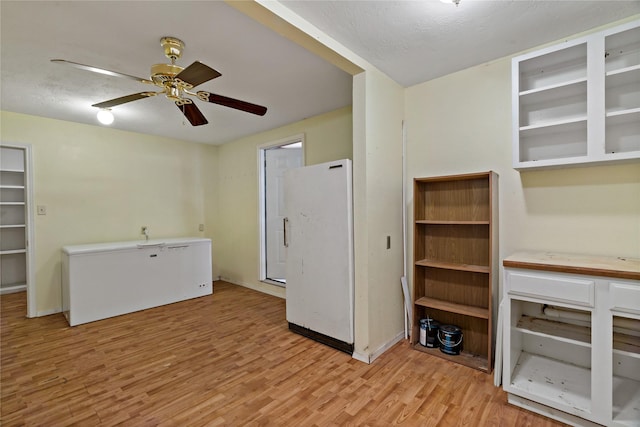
(455, 253)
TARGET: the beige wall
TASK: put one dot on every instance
(462, 123)
(100, 184)
(327, 137)
(378, 114)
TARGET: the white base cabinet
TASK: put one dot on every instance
(571, 348)
(110, 279)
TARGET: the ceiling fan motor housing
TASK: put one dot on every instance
(172, 47)
(164, 73)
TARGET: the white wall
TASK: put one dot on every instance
(100, 184)
(327, 137)
(462, 123)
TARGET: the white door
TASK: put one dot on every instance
(277, 161)
(319, 272)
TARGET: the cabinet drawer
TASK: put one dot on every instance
(625, 297)
(554, 288)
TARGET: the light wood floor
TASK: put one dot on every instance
(226, 359)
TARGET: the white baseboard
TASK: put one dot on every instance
(369, 358)
(48, 312)
(361, 357)
(268, 289)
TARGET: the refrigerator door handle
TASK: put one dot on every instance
(285, 221)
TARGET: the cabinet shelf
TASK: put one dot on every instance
(12, 226)
(453, 266)
(12, 187)
(552, 381)
(553, 123)
(12, 203)
(443, 222)
(565, 332)
(465, 310)
(553, 86)
(629, 112)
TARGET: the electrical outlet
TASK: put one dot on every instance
(42, 210)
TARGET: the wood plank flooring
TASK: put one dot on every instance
(227, 359)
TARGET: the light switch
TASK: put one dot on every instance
(201, 227)
(42, 210)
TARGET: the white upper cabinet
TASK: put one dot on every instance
(578, 102)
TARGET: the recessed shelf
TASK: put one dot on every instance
(12, 225)
(13, 251)
(12, 203)
(12, 187)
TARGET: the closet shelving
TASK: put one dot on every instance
(578, 102)
(13, 228)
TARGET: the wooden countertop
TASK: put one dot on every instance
(616, 267)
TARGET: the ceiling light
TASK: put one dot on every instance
(105, 117)
(456, 2)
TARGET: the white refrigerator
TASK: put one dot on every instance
(319, 240)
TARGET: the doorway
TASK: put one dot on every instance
(274, 159)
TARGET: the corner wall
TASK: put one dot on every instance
(378, 114)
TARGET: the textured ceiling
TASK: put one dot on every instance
(411, 41)
(416, 41)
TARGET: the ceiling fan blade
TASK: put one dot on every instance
(232, 103)
(100, 70)
(196, 74)
(124, 99)
(192, 113)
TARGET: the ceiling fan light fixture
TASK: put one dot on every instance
(105, 116)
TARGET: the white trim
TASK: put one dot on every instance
(399, 336)
(369, 358)
(273, 282)
(261, 200)
(252, 287)
(361, 357)
(30, 225)
(48, 312)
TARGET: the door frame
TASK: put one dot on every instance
(29, 218)
(262, 226)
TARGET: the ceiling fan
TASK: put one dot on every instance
(176, 82)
